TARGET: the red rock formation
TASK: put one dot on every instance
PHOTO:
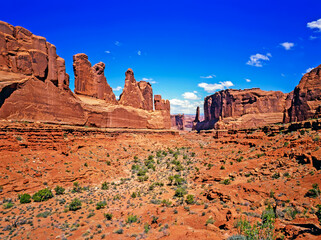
(91, 81)
(131, 95)
(161, 104)
(23, 52)
(178, 121)
(34, 86)
(34, 100)
(197, 118)
(243, 108)
(306, 97)
(147, 92)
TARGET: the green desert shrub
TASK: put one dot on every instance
(104, 186)
(59, 190)
(42, 195)
(101, 205)
(180, 192)
(25, 198)
(314, 192)
(190, 199)
(75, 205)
(131, 219)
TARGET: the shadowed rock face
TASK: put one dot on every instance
(178, 121)
(131, 95)
(306, 99)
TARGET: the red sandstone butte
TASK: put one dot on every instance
(306, 101)
(34, 86)
(234, 109)
(147, 92)
(131, 95)
(91, 81)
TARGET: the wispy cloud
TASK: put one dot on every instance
(256, 60)
(315, 24)
(210, 88)
(117, 43)
(287, 45)
(209, 76)
(107, 51)
(185, 106)
(139, 52)
(308, 70)
(117, 97)
(117, 88)
(150, 80)
(247, 80)
(190, 95)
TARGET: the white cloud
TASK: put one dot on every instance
(209, 76)
(210, 88)
(315, 24)
(139, 52)
(247, 80)
(256, 60)
(185, 106)
(150, 80)
(107, 51)
(117, 98)
(117, 88)
(287, 45)
(308, 70)
(190, 95)
(117, 43)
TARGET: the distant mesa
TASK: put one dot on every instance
(252, 108)
(34, 86)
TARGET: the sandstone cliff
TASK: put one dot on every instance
(178, 121)
(91, 81)
(131, 95)
(34, 86)
(306, 100)
(234, 109)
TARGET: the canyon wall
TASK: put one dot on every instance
(306, 100)
(251, 108)
(34, 87)
(178, 122)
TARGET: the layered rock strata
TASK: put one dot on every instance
(34, 87)
(249, 108)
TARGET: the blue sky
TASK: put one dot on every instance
(187, 49)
